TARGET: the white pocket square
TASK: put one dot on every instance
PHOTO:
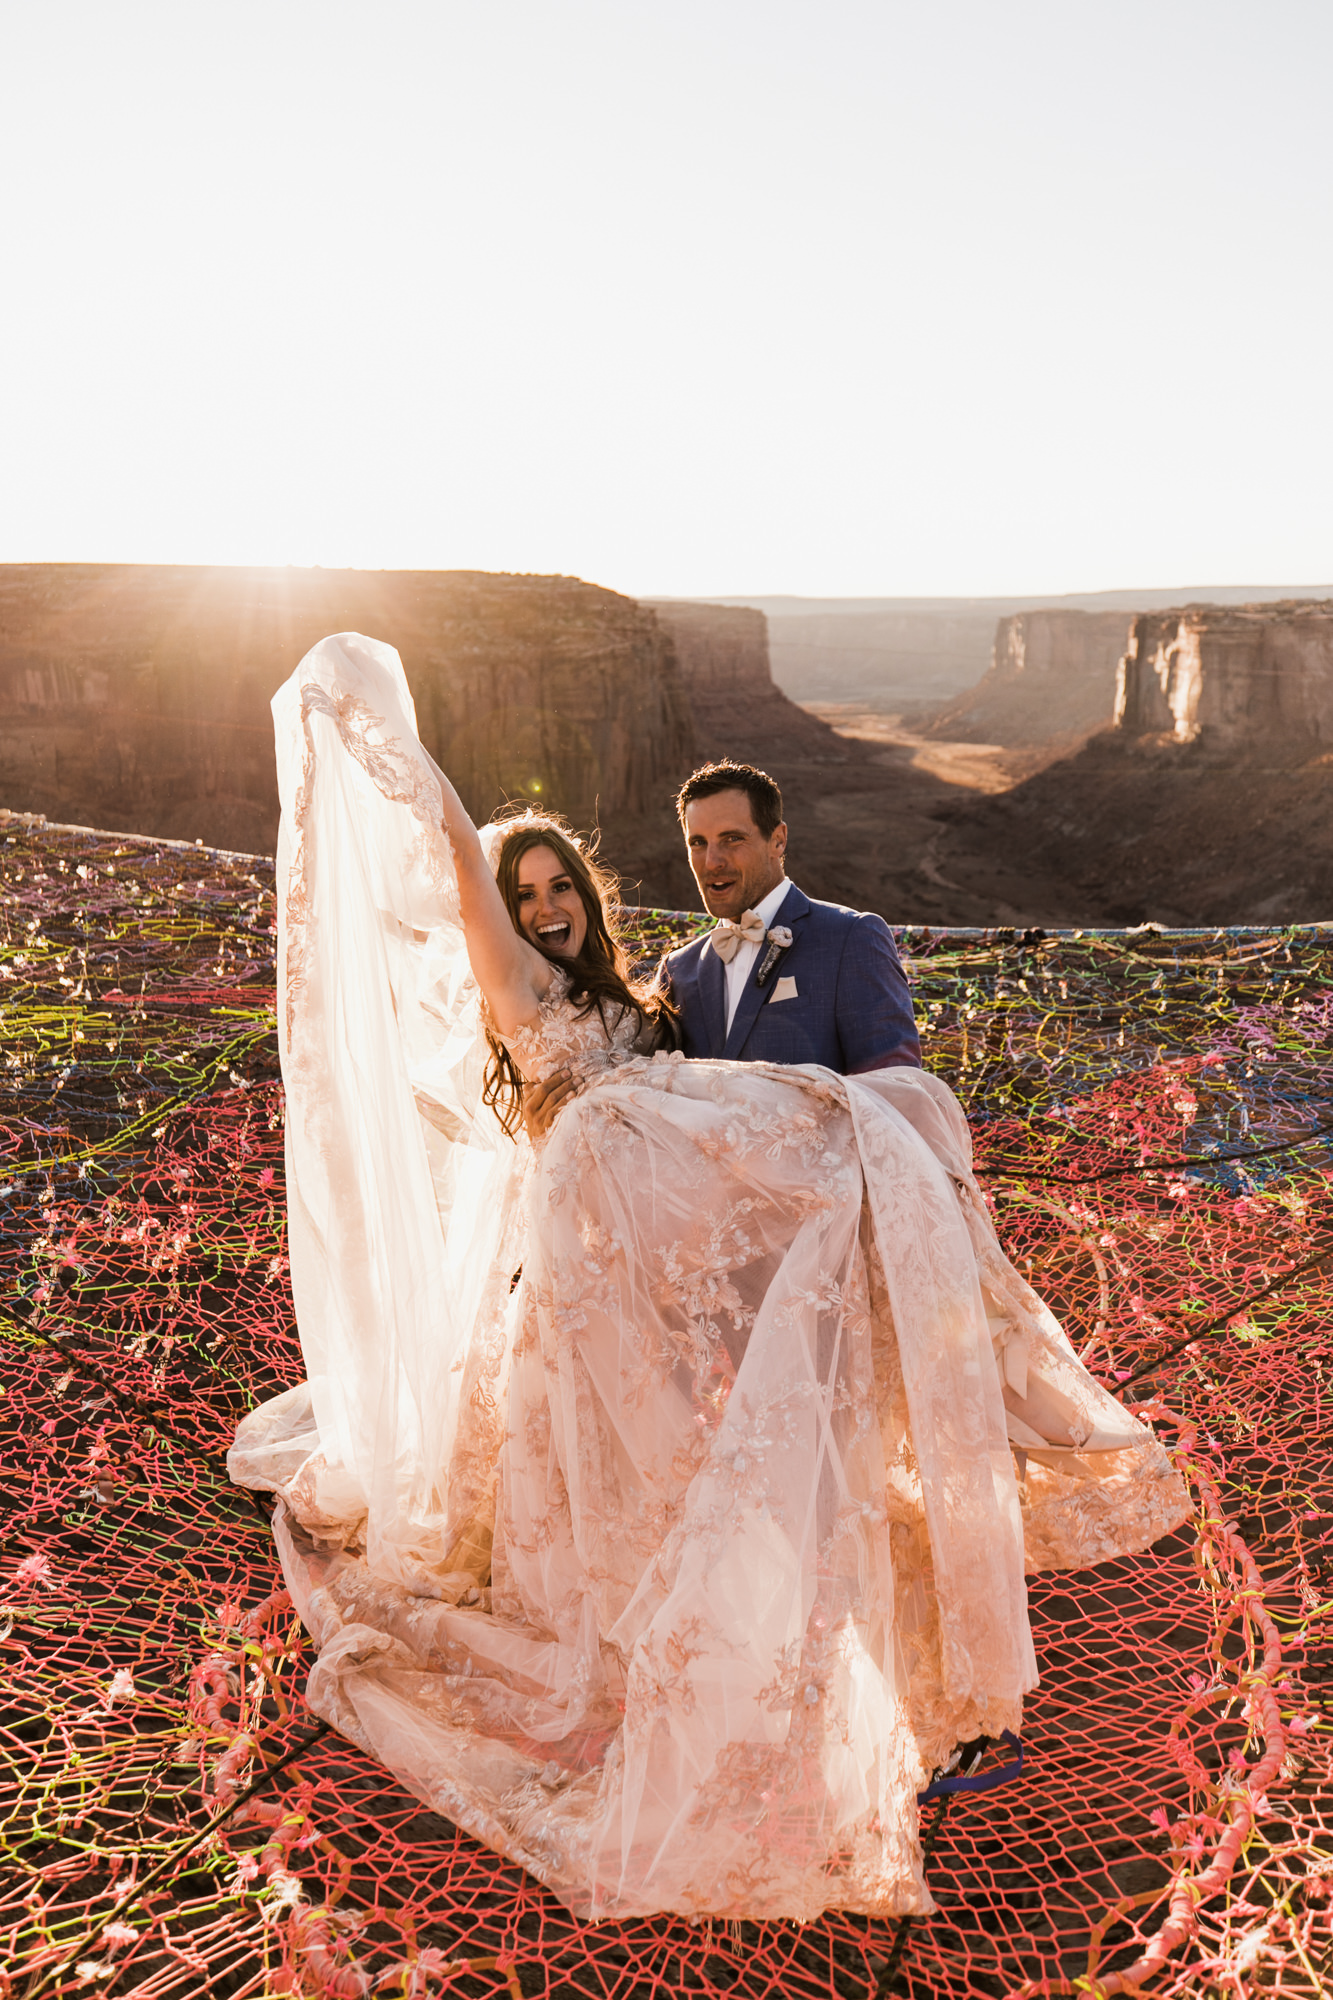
(784, 990)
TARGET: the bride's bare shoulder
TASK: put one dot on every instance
(520, 1008)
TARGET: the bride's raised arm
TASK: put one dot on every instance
(511, 973)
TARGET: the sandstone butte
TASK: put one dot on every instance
(1230, 678)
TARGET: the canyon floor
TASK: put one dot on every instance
(896, 820)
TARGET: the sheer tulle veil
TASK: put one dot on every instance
(402, 1189)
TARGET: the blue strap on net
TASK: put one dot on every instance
(981, 1781)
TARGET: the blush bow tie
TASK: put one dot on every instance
(728, 938)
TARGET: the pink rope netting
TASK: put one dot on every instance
(175, 1821)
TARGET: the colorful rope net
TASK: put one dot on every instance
(1154, 1118)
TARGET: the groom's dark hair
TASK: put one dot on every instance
(725, 776)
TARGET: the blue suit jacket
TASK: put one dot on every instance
(851, 1010)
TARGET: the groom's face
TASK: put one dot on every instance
(734, 864)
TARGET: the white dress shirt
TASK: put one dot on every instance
(739, 968)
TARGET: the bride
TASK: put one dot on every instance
(658, 1498)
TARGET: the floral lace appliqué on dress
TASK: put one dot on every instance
(586, 1041)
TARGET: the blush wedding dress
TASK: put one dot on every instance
(672, 1566)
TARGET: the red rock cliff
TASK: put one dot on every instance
(722, 649)
(738, 709)
(138, 697)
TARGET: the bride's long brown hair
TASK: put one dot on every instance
(600, 975)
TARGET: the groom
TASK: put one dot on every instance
(780, 979)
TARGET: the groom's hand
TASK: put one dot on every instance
(541, 1101)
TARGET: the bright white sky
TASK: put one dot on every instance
(818, 296)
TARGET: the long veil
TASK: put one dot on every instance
(402, 1189)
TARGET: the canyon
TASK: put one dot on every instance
(1208, 800)
(136, 698)
(1052, 678)
(882, 655)
(1188, 784)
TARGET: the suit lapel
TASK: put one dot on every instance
(713, 998)
(793, 909)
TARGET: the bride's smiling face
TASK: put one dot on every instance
(550, 910)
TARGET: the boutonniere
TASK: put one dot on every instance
(779, 940)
